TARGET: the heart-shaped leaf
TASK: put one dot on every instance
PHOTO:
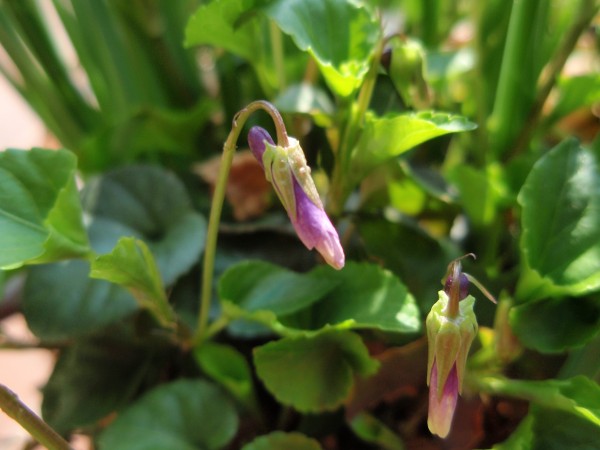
(313, 373)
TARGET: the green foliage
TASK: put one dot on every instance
(147, 203)
(132, 266)
(564, 413)
(185, 414)
(279, 439)
(385, 138)
(358, 296)
(561, 238)
(472, 129)
(226, 366)
(54, 291)
(88, 382)
(313, 373)
(40, 216)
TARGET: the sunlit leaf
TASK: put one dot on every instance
(40, 213)
(388, 137)
(358, 296)
(561, 223)
(313, 373)
(256, 285)
(341, 35)
(132, 266)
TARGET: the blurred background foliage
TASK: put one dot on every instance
(143, 92)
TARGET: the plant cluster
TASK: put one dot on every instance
(289, 295)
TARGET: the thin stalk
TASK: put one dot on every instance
(339, 185)
(40, 430)
(278, 54)
(586, 14)
(515, 79)
(217, 204)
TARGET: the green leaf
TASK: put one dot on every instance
(481, 191)
(563, 414)
(305, 98)
(94, 377)
(132, 266)
(575, 93)
(313, 373)
(257, 285)
(358, 296)
(150, 204)
(183, 415)
(367, 296)
(61, 302)
(388, 137)
(238, 27)
(340, 35)
(578, 396)
(279, 440)
(228, 367)
(40, 213)
(372, 430)
(547, 429)
(561, 224)
(223, 23)
(556, 324)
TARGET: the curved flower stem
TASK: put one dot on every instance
(217, 204)
(40, 430)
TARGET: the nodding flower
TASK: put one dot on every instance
(451, 327)
(286, 169)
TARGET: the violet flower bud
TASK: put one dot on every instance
(451, 328)
(286, 169)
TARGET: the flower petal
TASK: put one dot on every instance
(315, 230)
(441, 408)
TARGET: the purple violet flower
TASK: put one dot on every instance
(287, 171)
(451, 328)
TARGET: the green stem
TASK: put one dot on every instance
(40, 430)
(515, 75)
(339, 184)
(217, 203)
(586, 14)
(278, 54)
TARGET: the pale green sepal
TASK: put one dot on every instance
(447, 345)
(278, 173)
(283, 163)
(449, 339)
(302, 172)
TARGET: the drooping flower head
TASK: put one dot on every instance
(286, 169)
